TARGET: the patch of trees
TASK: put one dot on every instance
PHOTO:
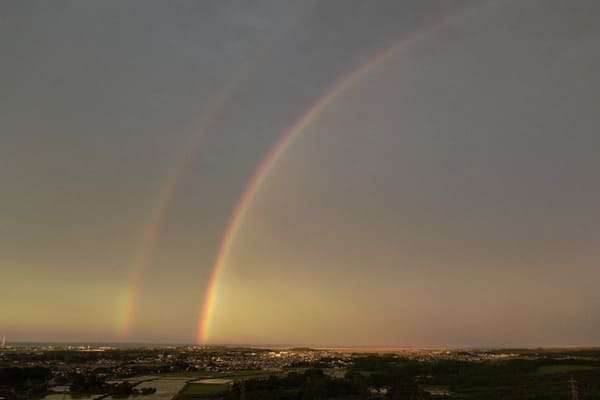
(315, 384)
(22, 376)
(16, 383)
(85, 384)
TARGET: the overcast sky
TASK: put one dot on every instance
(448, 197)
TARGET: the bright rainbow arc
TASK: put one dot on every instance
(161, 206)
(274, 155)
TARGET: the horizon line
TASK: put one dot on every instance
(308, 346)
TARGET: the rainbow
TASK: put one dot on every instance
(161, 205)
(276, 152)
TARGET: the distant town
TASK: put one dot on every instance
(100, 371)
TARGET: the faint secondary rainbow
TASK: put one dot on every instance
(161, 205)
(284, 142)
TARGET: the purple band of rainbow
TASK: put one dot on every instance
(275, 153)
(161, 206)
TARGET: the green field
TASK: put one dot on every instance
(184, 374)
(563, 368)
(244, 374)
(335, 372)
(439, 390)
(208, 390)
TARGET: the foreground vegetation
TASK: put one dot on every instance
(395, 377)
(507, 374)
(378, 377)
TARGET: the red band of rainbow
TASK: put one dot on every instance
(275, 153)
